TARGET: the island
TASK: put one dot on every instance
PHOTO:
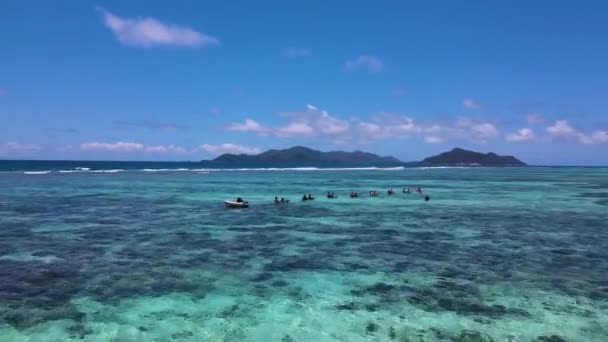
(462, 157)
(300, 156)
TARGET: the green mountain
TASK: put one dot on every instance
(461, 157)
(300, 156)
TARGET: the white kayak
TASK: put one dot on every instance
(234, 204)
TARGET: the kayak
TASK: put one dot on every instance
(233, 204)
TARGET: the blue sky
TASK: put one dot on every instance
(187, 80)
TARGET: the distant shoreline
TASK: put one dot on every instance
(86, 166)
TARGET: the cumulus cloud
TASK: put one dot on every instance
(314, 122)
(372, 63)
(470, 104)
(249, 125)
(17, 148)
(22, 147)
(433, 139)
(535, 118)
(485, 131)
(228, 148)
(129, 147)
(294, 129)
(561, 129)
(170, 149)
(386, 125)
(599, 137)
(524, 134)
(113, 147)
(310, 122)
(473, 130)
(297, 52)
(371, 129)
(150, 32)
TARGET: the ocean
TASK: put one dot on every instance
(150, 253)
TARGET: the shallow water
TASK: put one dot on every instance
(496, 254)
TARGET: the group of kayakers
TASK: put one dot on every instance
(409, 191)
(331, 195)
(372, 193)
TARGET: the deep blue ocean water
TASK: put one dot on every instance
(515, 254)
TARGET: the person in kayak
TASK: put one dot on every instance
(407, 191)
(310, 198)
(419, 190)
(276, 199)
(391, 192)
(304, 198)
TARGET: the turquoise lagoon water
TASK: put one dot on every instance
(495, 255)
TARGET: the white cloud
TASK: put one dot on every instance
(149, 32)
(599, 137)
(484, 131)
(331, 126)
(386, 126)
(470, 104)
(372, 63)
(431, 139)
(311, 122)
(17, 148)
(170, 149)
(249, 125)
(535, 118)
(229, 148)
(561, 128)
(295, 129)
(434, 129)
(22, 147)
(314, 122)
(371, 129)
(297, 52)
(129, 147)
(524, 134)
(475, 131)
(113, 147)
